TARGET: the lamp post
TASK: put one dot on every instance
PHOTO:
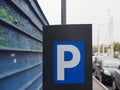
(63, 12)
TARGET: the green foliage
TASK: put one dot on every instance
(116, 46)
(94, 50)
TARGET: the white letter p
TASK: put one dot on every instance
(62, 64)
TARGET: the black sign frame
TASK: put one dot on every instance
(69, 33)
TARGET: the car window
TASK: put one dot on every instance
(100, 63)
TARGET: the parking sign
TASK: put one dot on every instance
(67, 57)
(69, 62)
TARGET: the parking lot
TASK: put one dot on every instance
(107, 71)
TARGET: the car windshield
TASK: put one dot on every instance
(111, 63)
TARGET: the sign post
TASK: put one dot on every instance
(67, 57)
(63, 12)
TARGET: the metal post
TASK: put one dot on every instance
(112, 49)
(110, 24)
(63, 12)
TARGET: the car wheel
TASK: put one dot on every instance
(114, 87)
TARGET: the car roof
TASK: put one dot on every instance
(106, 58)
(111, 59)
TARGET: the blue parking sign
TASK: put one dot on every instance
(67, 57)
(69, 62)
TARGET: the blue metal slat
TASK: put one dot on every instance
(36, 85)
(11, 39)
(20, 79)
(33, 83)
(15, 19)
(40, 15)
(22, 7)
(21, 45)
(25, 63)
(40, 10)
(26, 9)
(15, 71)
(13, 62)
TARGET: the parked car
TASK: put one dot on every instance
(116, 79)
(93, 63)
(93, 67)
(105, 69)
(95, 60)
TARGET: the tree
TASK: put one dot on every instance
(94, 50)
(116, 46)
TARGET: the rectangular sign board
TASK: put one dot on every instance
(67, 57)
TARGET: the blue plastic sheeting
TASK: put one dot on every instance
(21, 36)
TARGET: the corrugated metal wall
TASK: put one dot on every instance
(21, 25)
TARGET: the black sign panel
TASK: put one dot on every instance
(67, 57)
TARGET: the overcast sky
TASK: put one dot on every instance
(93, 12)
